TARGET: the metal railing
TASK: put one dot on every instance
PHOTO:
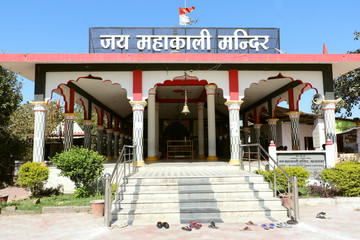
(124, 167)
(255, 152)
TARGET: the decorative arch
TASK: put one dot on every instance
(296, 96)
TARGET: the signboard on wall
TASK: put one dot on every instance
(314, 162)
(186, 40)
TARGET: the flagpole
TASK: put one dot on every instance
(185, 15)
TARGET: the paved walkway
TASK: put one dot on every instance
(342, 223)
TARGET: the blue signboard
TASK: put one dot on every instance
(185, 40)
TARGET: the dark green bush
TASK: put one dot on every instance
(345, 176)
(82, 166)
(33, 175)
(281, 180)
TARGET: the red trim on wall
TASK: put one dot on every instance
(291, 99)
(137, 85)
(179, 57)
(116, 124)
(255, 115)
(234, 84)
(182, 83)
(85, 110)
(259, 115)
(107, 115)
(72, 100)
(276, 106)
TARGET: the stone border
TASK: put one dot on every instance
(315, 201)
(66, 209)
(51, 209)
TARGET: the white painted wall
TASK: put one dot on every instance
(284, 134)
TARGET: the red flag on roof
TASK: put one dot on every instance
(324, 49)
(183, 11)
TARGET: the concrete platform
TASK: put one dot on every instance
(343, 223)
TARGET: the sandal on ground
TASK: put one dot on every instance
(159, 225)
(283, 225)
(166, 225)
(292, 222)
(251, 223)
(271, 225)
(246, 229)
(321, 215)
(212, 225)
(198, 226)
(186, 229)
(264, 226)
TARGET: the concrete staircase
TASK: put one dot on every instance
(204, 192)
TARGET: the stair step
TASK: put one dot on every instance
(179, 194)
(198, 210)
(201, 187)
(191, 179)
(219, 205)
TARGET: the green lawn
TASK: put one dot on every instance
(61, 200)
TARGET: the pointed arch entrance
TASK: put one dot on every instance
(165, 107)
(264, 113)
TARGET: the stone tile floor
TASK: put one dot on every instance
(342, 223)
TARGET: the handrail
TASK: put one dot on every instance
(290, 181)
(118, 177)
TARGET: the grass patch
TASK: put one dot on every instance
(60, 200)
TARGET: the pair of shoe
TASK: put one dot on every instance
(267, 227)
(212, 225)
(195, 225)
(321, 215)
(162, 224)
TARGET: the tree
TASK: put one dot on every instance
(10, 98)
(82, 166)
(10, 95)
(347, 86)
(21, 124)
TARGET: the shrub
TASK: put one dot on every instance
(345, 176)
(33, 175)
(281, 180)
(82, 166)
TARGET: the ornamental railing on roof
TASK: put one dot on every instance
(184, 40)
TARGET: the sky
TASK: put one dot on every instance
(47, 26)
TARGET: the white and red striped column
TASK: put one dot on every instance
(295, 134)
(138, 128)
(109, 143)
(234, 123)
(210, 93)
(328, 107)
(157, 130)
(151, 115)
(257, 129)
(69, 130)
(87, 133)
(200, 108)
(100, 131)
(116, 144)
(40, 109)
(272, 124)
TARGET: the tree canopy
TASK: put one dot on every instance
(347, 86)
(10, 99)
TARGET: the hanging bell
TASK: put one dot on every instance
(185, 109)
